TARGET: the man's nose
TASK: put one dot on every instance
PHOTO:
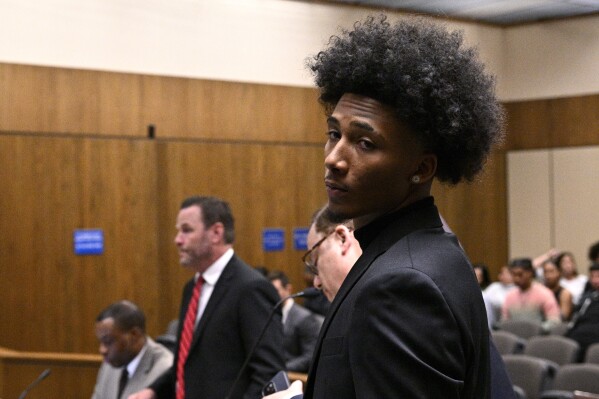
(335, 159)
(316, 282)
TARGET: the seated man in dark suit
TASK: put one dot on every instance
(300, 326)
(121, 331)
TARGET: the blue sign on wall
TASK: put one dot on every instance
(273, 239)
(300, 238)
(88, 241)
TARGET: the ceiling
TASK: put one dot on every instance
(496, 12)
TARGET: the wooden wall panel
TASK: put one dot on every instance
(560, 122)
(476, 212)
(232, 111)
(266, 186)
(71, 376)
(52, 186)
(58, 100)
(575, 121)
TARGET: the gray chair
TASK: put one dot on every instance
(508, 343)
(522, 328)
(574, 377)
(592, 354)
(533, 375)
(556, 348)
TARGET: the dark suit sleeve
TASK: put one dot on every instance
(307, 333)
(256, 302)
(405, 342)
(164, 386)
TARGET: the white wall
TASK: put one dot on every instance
(549, 60)
(267, 41)
(264, 41)
(552, 201)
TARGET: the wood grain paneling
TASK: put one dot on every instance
(72, 376)
(232, 111)
(59, 100)
(560, 122)
(476, 212)
(52, 186)
(266, 186)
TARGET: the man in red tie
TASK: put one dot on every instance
(223, 310)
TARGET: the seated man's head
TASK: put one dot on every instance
(522, 272)
(407, 102)
(121, 332)
(333, 252)
(281, 283)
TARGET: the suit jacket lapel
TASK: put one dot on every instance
(220, 289)
(403, 223)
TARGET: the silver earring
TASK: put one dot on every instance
(415, 179)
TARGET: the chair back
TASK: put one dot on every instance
(579, 376)
(556, 348)
(592, 354)
(522, 328)
(508, 343)
(560, 328)
(533, 375)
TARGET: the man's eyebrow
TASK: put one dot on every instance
(357, 124)
(362, 125)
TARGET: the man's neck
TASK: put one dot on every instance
(215, 255)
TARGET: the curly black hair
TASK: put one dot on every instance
(434, 83)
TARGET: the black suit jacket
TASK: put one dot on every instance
(300, 332)
(409, 320)
(234, 317)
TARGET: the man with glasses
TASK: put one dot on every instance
(337, 249)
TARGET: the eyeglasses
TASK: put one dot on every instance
(308, 257)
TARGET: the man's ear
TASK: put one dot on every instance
(427, 168)
(136, 333)
(217, 233)
(344, 235)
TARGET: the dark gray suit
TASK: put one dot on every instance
(300, 332)
(155, 361)
(409, 320)
(234, 317)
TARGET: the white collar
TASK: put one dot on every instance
(132, 366)
(212, 274)
(286, 308)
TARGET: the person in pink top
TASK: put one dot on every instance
(531, 300)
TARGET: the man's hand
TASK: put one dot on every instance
(143, 394)
(294, 389)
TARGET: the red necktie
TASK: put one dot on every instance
(187, 337)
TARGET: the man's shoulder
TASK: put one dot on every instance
(158, 350)
(431, 251)
(300, 311)
(241, 271)
(541, 290)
